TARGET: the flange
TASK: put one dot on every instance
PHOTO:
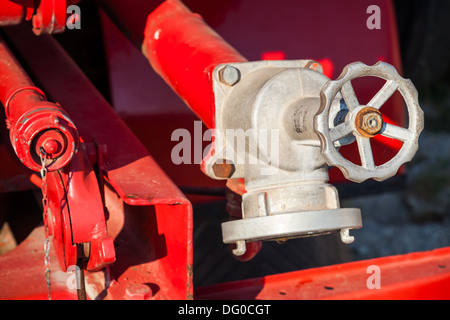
(291, 225)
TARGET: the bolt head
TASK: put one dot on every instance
(229, 75)
(223, 169)
(138, 291)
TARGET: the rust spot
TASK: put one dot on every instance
(369, 122)
(190, 273)
(224, 169)
(314, 66)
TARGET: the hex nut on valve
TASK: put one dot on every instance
(369, 122)
(225, 169)
(229, 75)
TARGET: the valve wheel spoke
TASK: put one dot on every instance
(383, 94)
(365, 152)
(340, 131)
(396, 132)
(349, 95)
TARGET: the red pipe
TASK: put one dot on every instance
(184, 50)
(34, 123)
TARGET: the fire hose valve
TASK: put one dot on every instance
(281, 124)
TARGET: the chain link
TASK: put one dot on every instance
(44, 172)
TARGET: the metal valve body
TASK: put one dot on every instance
(287, 194)
(268, 128)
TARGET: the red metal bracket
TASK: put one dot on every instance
(75, 197)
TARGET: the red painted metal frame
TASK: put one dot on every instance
(422, 275)
(148, 215)
(22, 272)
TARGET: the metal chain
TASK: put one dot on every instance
(44, 172)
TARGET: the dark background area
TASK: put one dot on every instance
(424, 34)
